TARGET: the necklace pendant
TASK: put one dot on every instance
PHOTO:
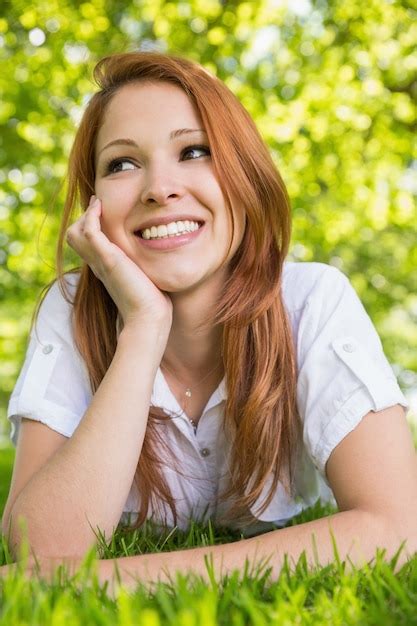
(188, 393)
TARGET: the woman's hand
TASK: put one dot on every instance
(137, 298)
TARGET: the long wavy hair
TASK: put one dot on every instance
(261, 418)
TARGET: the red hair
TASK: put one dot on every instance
(261, 417)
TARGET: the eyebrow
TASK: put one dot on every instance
(173, 135)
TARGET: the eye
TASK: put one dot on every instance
(116, 165)
(190, 149)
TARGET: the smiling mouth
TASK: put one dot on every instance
(138, 233)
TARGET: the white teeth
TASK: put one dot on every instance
(173, 229)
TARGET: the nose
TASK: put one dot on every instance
(161, 186)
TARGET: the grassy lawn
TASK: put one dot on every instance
(302, 596)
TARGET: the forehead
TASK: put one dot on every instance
(141, 105)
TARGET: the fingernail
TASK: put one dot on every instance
(92, 198)
(96, 202)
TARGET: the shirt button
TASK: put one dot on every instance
(47, 349)
(349, 347)
(204, 452)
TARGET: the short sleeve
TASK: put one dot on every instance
(343, 372)
(53, 385)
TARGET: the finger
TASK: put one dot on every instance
(85, 226)
(94, 207)
(92, 218)
(91, 231)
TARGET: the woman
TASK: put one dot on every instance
(189, 371)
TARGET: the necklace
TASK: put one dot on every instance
(188, 392)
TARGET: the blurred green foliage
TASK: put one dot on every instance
(331, 86)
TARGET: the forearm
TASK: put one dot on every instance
(357, 535)
(88, 479)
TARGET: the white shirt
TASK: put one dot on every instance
(342, 375)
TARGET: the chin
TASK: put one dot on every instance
(174, 285)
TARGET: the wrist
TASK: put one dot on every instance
(146, 334)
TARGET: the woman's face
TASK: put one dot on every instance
(156, 170)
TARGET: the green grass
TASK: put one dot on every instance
(371, 595)
(330, 595)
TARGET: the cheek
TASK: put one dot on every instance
(121, 193)
(117, 201)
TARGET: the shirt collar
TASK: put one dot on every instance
(163, 396)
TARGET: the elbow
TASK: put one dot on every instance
(19, 533)
(8, 529)
(13, 529)
(26, 536)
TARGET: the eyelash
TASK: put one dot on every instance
(113, 162)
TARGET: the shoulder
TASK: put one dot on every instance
(304, 281)
(56, 303)
(60, 294)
